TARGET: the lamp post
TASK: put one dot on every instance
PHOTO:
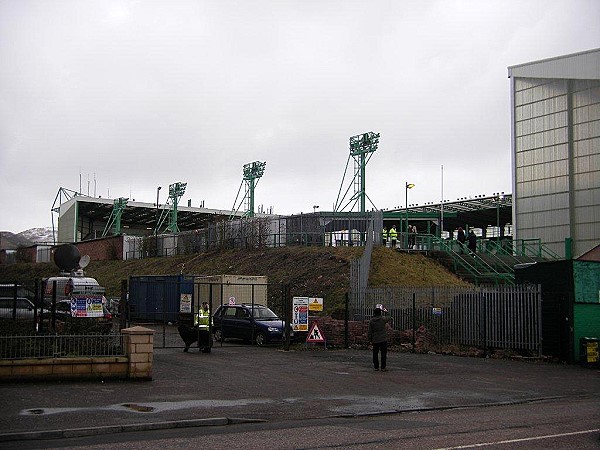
(406, 188)
(315, 207)
(499, 199)
(157, 219)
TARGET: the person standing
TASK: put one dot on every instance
(384, 235)
(472, 242)
(393, 235)
(461, 238)
(377, 334)
(412, 237)
(202, 322)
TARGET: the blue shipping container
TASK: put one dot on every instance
(156, 298)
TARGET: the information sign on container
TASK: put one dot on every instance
(185, 303)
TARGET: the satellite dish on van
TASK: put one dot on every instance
(84, 261)
(67, 257)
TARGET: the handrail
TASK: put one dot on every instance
(474, 265)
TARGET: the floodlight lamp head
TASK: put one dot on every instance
(364, 143)
(409, 185)
(177, 189)
(254, 170)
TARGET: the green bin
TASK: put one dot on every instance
(588, 351)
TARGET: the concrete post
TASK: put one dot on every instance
(139, 345)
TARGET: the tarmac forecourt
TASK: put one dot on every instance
(247, 384)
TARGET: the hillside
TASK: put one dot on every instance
(310, 271)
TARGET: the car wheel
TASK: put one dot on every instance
(261, 339)
(219, 336)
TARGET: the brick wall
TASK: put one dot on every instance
(136, 365)
(101, 249)
(107, 248)
(333, 330)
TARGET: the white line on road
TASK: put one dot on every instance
(535, 438)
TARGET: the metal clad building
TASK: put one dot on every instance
(555, 115)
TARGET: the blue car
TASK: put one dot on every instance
(252, 323)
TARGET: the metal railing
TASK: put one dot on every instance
(60, 346)
(478, 269)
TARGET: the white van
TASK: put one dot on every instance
(85, 293)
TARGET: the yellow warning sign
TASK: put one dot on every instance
(315, 334)
(315, 304)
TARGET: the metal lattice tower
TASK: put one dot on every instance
(114, 221)
(176, 191)
(252, 173)
(362, 147)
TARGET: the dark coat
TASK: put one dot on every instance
(377, 330)
(472, 242)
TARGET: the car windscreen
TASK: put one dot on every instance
(264, 313)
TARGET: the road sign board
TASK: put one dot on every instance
(315, 334)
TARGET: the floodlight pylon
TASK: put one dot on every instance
(176, 191)
(114, 221)
(362, 147)
(251, 174)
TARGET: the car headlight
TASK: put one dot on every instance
(274, 330)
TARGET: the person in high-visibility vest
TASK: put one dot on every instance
(202, 318)
(202, 321)
(384, 236)
(393, 236)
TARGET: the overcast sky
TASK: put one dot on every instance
(130, 95)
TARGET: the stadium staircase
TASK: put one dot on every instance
(493, 263)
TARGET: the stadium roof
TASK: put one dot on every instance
(478, 212)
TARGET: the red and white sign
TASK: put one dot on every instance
(315, 334)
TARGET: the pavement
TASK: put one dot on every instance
(236, 384)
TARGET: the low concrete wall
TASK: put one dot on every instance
(63, 368)
(135, 365)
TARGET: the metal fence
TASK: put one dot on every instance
(313, 229)
(507, 317)
(59, 346)
(163, 303)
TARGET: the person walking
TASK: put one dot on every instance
(377, 334)
(393, 235)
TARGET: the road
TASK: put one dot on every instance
(311, 399)
(557, 424)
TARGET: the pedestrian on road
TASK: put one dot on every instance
(377, 334)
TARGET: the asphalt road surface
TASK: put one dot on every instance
(556, 424)
(264, 398)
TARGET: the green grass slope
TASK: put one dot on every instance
(310, 271)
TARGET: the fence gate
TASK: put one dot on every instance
(166, 303)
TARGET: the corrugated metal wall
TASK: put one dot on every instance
(557, 161)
